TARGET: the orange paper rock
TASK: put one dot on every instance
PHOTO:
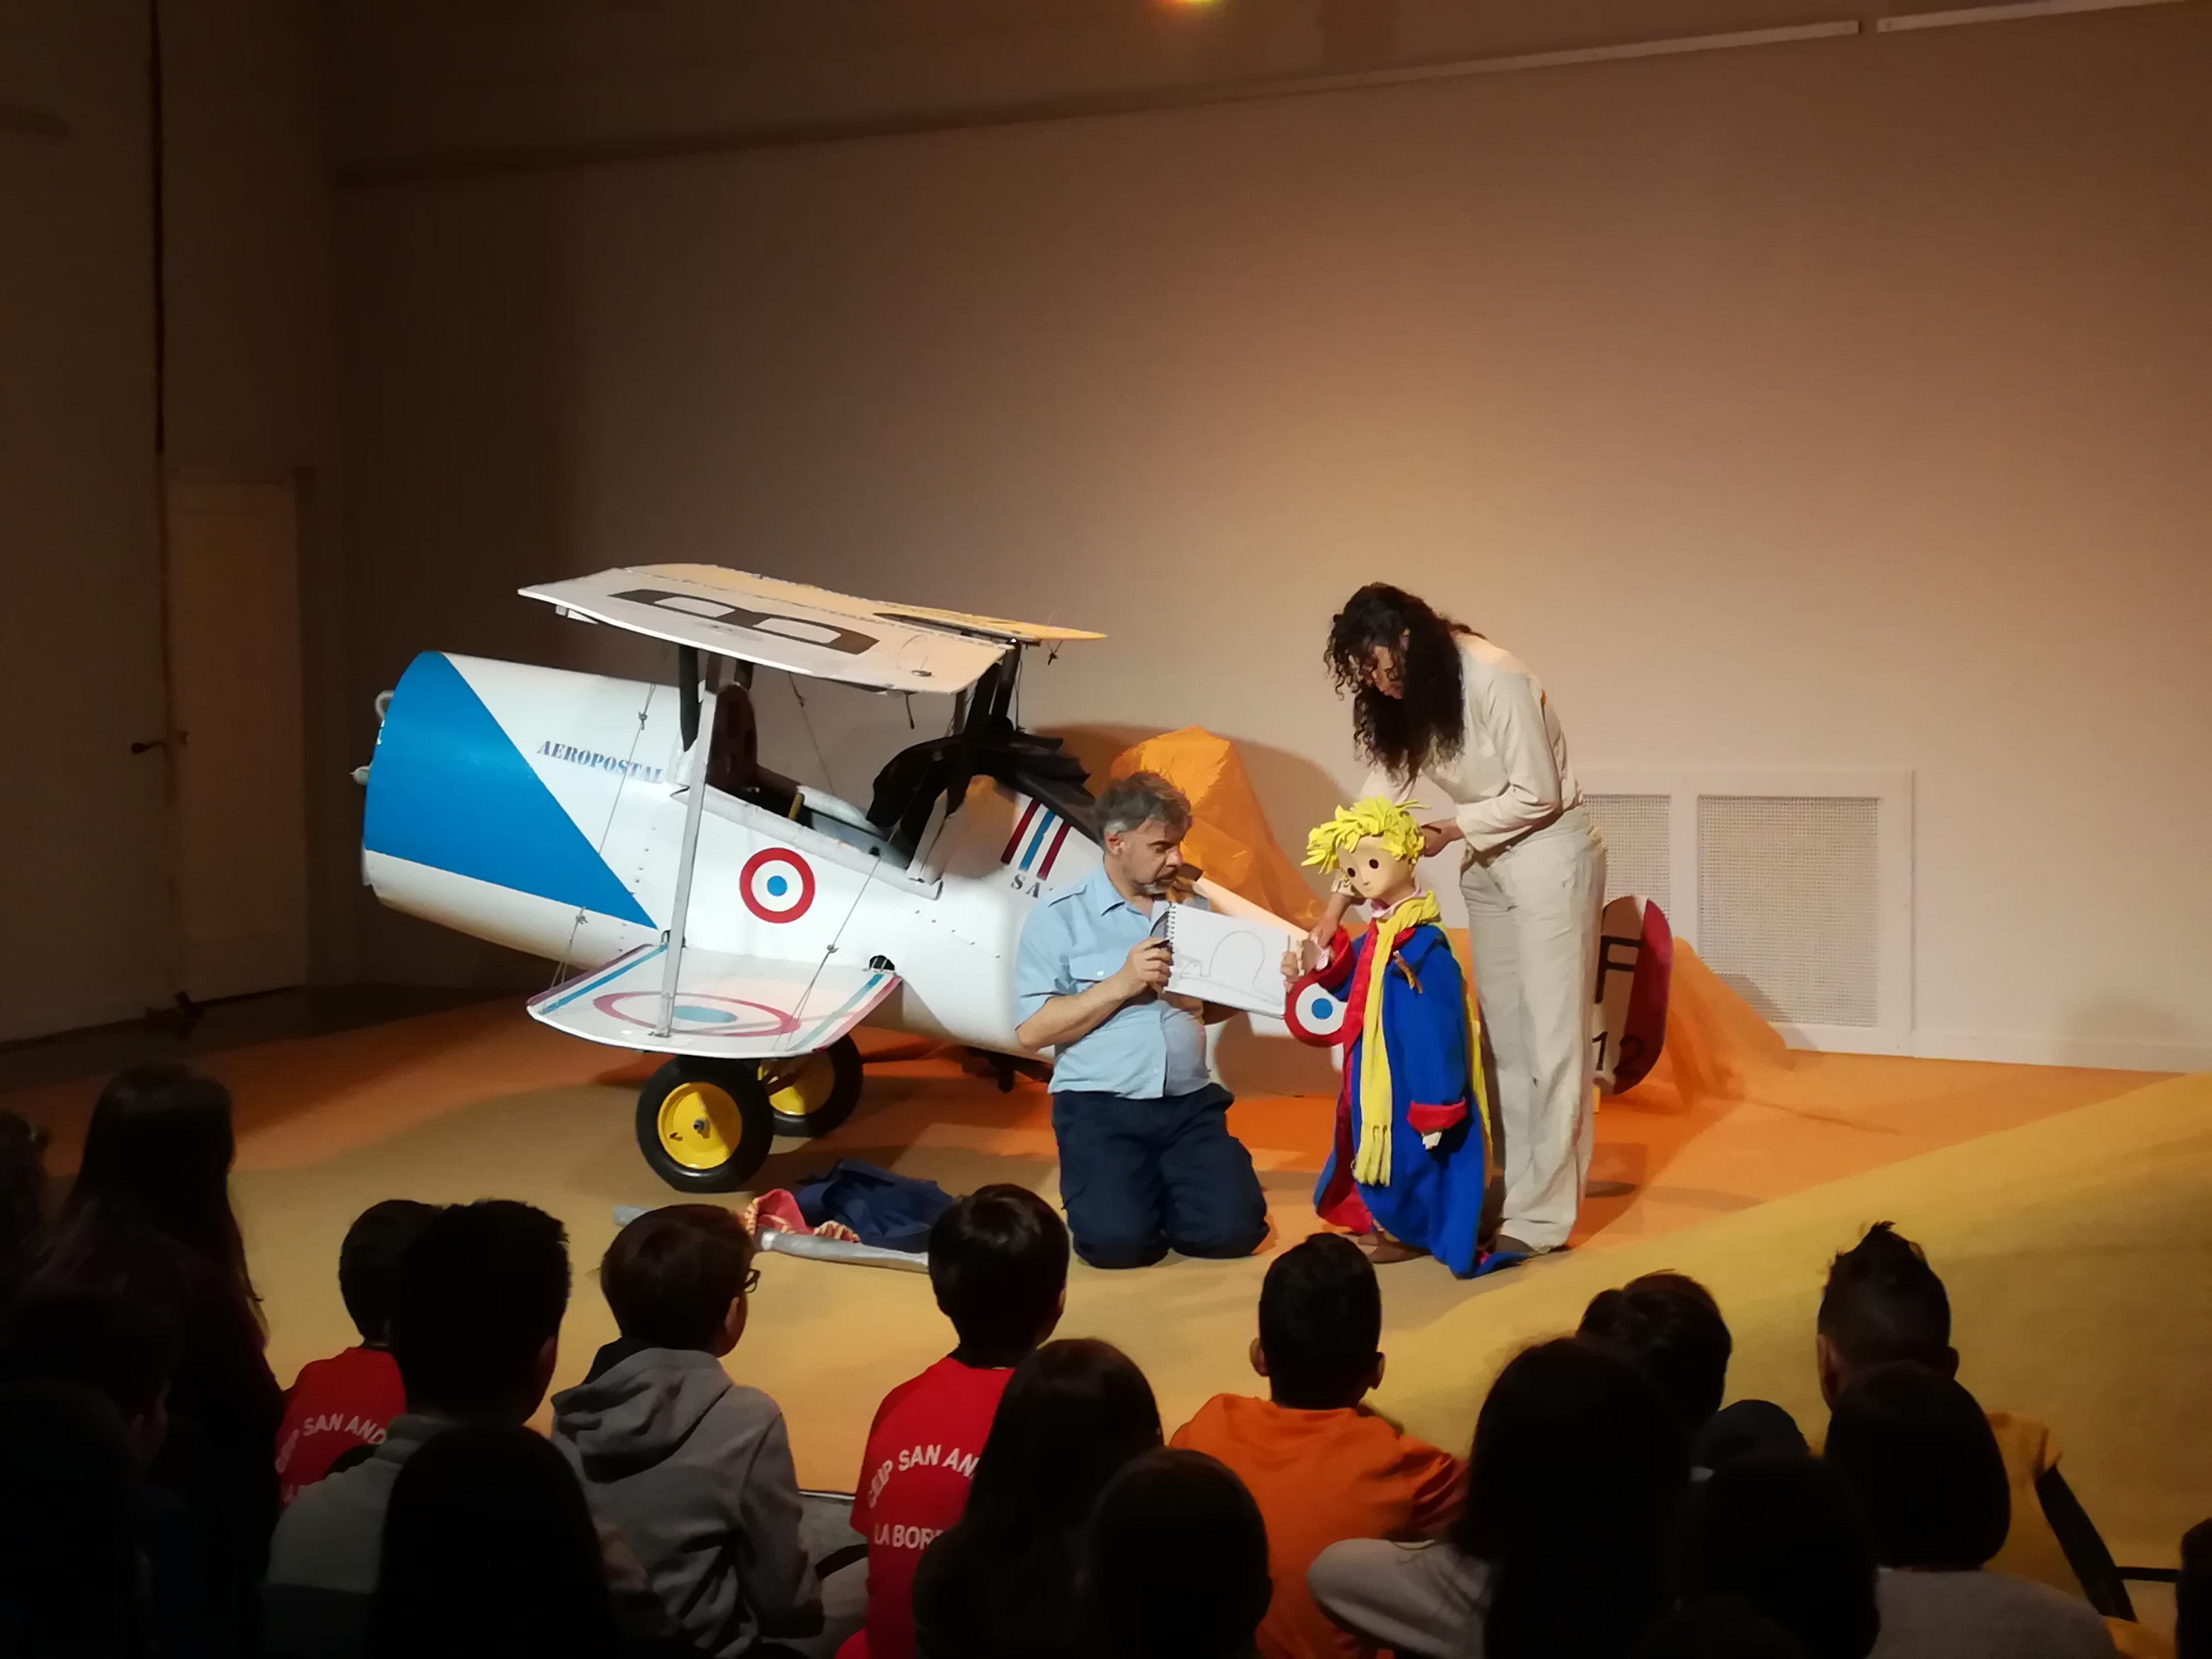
(1229, 837)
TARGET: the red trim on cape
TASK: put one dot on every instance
(1340, 1204)
(1432, 1120)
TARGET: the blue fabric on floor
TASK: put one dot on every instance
(893, 1210)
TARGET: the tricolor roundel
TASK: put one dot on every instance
(776, 884)
(1313, 1015)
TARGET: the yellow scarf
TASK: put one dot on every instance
(1372, 1163)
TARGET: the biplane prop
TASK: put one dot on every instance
(734, 919)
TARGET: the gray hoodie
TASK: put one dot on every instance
(695, 1471)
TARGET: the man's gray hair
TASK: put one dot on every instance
(1138, 798)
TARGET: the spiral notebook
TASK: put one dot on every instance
(1225, 959)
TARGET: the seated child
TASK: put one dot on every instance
(1884, 1303)
(998, 1261)
(1177, 1563)
(1322, 1467)
(1410, 1157)
(1670, 1328)
(340, 1407)
(692, 1469)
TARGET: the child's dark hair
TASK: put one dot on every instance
(160, 1143)
(22, 1198)
(1670, 1326)
(671, 1275)
(368, 1262)
(998, 1260)
(119, 1345)
(480, 1292)
(1784, 1531)
(1919, 1456)
(489, 1548)
(1884, 1303)
(1074, 1412)
(1575, 1486)
(1321, 1323)
(1718, 1627)
(1177, 1561)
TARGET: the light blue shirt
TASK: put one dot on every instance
(1145, 1048)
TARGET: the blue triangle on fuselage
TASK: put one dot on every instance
(448, 788)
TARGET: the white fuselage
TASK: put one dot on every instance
(545, 810)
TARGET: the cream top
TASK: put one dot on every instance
(1512, 773)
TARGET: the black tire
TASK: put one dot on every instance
(739, 1121)
(843, 1057)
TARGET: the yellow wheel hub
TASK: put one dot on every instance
(799, 1087)
(699, 1126)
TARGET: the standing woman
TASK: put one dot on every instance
(1432, 698)
(149, 1217)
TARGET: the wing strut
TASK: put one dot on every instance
(693, 807)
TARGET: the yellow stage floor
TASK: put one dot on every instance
(2070, 1212)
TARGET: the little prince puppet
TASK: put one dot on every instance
(1409, 1168)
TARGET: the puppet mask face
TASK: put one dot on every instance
(1376, 874)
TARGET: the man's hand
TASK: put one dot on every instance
(1065, 1019)
(1300, 959)
(1146, 968)
(1435, 837)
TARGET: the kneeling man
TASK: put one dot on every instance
(1146, 1161)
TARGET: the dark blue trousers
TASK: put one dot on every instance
(1142, 1177)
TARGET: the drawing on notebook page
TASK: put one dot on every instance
(1225, 959)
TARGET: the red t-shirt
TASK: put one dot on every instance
(346, 1400)
(913, 1481)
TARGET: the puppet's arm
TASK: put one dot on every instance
(1333, 976)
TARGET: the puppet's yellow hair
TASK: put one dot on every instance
(1388, 821)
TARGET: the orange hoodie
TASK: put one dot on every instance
(1321, 1477)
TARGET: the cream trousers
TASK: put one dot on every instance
(1532, 914)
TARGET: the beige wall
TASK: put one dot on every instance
(83, 900)
(1830, 405)
(252, 350)
(1839, 404)
(84, 881)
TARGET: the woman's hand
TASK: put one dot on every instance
(1435, 837)
(1322, 935)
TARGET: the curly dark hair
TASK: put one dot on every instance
(1404, 734)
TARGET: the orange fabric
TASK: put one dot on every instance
(2031, 1549)
(2136, 1641)
(1228, 836)
(1319, 1478)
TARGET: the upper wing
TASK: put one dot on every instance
(727, 1006)
(743, 584)
(877, 653)
(804, 630)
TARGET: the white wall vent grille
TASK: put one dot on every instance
(1795, 887)
(1639, 856)
(1789, 901)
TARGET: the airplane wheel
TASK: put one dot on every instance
(811, 1094)
(704, 1126)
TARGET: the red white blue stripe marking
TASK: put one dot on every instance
(1039, 834)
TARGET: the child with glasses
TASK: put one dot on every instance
(693, 1469)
